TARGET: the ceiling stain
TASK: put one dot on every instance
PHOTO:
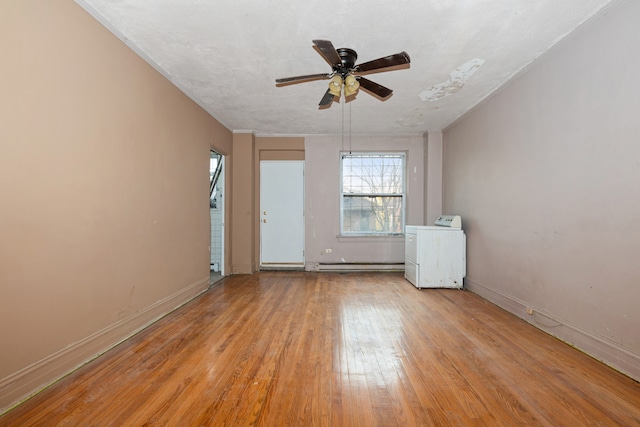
(415, 118)
(454, 83)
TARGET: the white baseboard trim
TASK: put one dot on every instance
(32, 379)
(600, 348)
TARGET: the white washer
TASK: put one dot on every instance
(435, 256)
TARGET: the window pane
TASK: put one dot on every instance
(372, 174)
(363, 214)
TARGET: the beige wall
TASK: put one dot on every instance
(104, 222)
(433, 178)
(242, 205)
(546, 176)
(322, 210)
(321, 156)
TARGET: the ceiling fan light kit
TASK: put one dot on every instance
(335, 85)
(346, 73)
(351, 85)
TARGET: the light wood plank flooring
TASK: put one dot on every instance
(330, 349)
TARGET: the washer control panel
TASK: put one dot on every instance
(451, 221)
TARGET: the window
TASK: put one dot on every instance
(372, 193)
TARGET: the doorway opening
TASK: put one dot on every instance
(216, 214)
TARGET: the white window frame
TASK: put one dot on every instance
(402, 194)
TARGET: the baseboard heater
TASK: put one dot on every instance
(358, 266)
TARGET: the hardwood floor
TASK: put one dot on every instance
(330, 349)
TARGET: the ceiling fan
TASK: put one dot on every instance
(346, 73)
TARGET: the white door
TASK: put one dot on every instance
(282, 213)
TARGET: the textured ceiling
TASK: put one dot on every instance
(226, 55)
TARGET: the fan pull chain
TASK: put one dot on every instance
(342, 107)
(349, 127)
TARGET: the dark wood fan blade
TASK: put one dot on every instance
(299, 79)
(375, 88)
(327, 99)
(386, 62)
(328, 52)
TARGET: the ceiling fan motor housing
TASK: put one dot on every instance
(348, 58)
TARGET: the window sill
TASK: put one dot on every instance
(368, 238)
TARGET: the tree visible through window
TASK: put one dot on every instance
(373, 192)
